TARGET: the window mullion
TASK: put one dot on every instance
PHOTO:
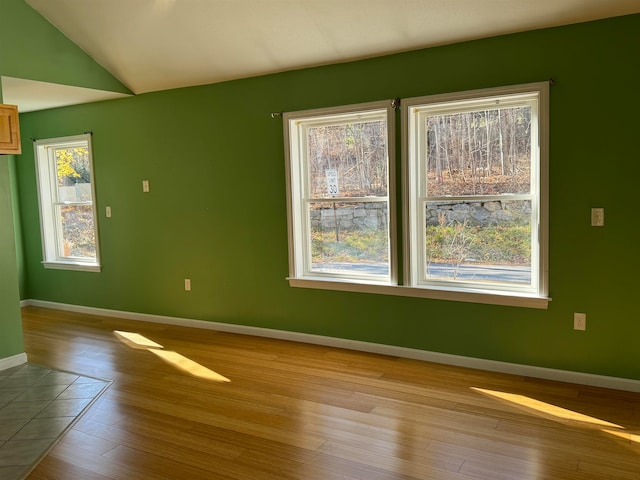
(348, 200)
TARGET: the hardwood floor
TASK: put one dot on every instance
(255, 408)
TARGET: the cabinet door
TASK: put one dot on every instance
(9, 130)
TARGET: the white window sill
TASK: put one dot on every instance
(478, 296)
(79, 266)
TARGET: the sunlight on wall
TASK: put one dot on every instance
(140, 342)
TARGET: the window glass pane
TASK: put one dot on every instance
(77, 231)
(73, 173)
(486, 152)
(349, 238)
(348, 159)
(486, 242)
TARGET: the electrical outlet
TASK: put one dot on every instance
(145, 186)
(187, 284)
(579, 321)
(108, 212)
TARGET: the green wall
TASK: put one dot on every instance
(17, 226)
(10, 325)
(31, 48)
(216, 212)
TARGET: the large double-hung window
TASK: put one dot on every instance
(473, 196)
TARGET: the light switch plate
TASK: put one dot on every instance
(597, 217)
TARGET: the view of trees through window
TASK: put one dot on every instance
(73, 209)
(358, 151)
(477, 154)
(348, 184)
(487, 152)
(484, 155)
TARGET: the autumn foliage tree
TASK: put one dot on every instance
(74, 202)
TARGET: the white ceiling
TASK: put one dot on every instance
(31, 95)
(161, 44)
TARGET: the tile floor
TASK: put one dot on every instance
(37, 405)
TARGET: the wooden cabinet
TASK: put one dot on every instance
(9, 130)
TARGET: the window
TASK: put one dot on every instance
(67, 210)
(340, 225)
(474, 197)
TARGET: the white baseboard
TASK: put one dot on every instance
(13, 361)
(616, 383)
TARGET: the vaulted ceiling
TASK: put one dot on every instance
(154, 45)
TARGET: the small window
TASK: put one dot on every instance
(477, 182)
(67, 210)
(340, 212)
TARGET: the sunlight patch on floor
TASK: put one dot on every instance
(545, 408)
(135, 340)
(624, 435)
(140, 342)
(187, 365)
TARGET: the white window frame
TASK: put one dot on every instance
(299, 224)
(537, 297)
(53, 255)
(414, 111)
